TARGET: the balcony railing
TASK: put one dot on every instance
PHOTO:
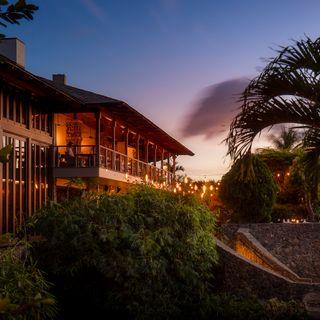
(86, 156)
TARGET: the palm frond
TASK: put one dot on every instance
(286, 91)
(261, 115)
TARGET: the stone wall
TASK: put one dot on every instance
(242, 275)
(296, 245)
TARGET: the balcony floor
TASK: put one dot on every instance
(95, 173)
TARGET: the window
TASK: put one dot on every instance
(14, 183)
(14, 187)
(14, 106)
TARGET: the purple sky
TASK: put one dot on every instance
(168, 58)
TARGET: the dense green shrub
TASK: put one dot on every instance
(145, 254)
(248, 190)
(23, 289)
(230, 307)
(288, 211)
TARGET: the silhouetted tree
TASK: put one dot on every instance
(14, 12)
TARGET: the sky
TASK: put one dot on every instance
(181, 63)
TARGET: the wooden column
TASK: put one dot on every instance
(98, 138)
(155, 155)
(138, 155)
(162, 156)
(138, 148)
(174, 167)
(146, 156)
(113, 158)
(168, 170)
(1, 104)
(29, 186)
(126, 150)
(1, 184)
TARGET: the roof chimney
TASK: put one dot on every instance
(59, 78)
(13, 49)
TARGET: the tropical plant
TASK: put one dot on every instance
(287, 140)
(230, 307)
(248, 190)
(23, 289)
(144, 254)
(286, 91)
(15, 12)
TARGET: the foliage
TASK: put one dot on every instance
(13, 13)
(229, 307)
(144, 254)
(23, 289)
(287, 140)
(286, 91)
(288, 211)
(277, 160)
(6, 153)
(248, 190)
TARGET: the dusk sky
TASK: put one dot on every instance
(169, 59)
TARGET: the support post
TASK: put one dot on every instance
(138, 155)
(113, 158)
(174, 168)
(155, 155)
(29, 177)
(147, 152)
(2, 212)
(98, 137)
(162, 156)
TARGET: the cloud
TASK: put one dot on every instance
(213, 113)
(94, 9)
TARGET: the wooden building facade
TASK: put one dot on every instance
(62, 133)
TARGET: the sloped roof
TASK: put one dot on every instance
(126, 113)
(76, 96)
(84, 96)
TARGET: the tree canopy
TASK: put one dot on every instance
(15, 12)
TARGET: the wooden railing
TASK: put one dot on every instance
(86, 156)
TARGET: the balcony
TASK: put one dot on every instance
(110, 164)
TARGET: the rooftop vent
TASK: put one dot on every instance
(59, 78)
(13, 49)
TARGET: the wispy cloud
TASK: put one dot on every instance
(213, 112)
(94, 9)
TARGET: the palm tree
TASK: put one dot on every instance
(286, 91)
(286, 141)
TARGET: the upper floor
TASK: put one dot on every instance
(90, 135)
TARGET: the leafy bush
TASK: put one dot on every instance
(248, 190)
(230, 307)
(145, 254)
(23, 289)
(288, 211)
